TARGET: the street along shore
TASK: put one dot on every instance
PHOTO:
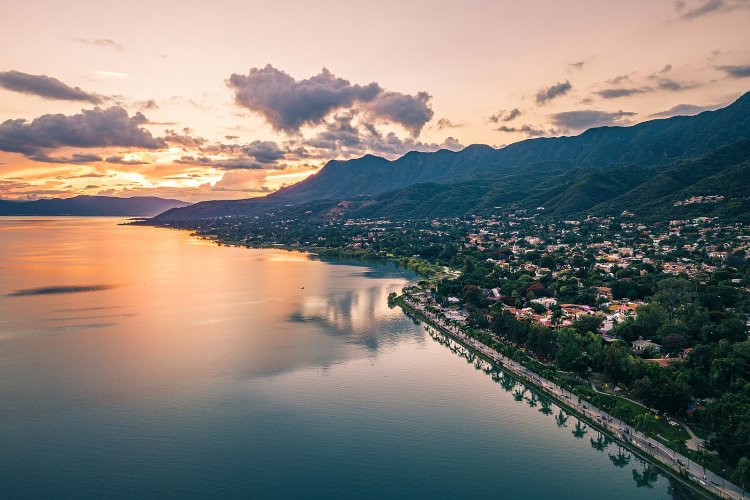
(691, 475)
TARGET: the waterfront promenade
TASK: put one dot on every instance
(658, 452)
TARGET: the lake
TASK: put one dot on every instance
(143, 362)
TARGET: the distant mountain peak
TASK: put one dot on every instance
(647, 144)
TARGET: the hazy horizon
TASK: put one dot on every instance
(180, 100)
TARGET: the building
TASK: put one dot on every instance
(641, 345)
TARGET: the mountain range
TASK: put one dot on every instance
(648, 168)
(136, 206)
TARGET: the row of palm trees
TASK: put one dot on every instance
(521, 392)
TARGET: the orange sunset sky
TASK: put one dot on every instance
(214, 100)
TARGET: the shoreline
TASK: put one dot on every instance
(528, 377)
(525, 375)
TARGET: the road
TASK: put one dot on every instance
(658, 451)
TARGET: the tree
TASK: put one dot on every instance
(620, 460)
(587, 323)
(673, 343)
(645, 422)
(616, 363)
(672, 292)
(742, 472)
(650, 318)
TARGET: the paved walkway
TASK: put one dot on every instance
(624, 432)
(694, 443)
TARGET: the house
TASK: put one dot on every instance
(641, 345)
(545, 301)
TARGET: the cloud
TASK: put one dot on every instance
(56, 290)
(584, 119)
(682, 110)
(228, 163)
(252, 156)
(241, 180)
(288, 104)
(577, 65)
(186, 139)
(740, 71)
(527, 129)
(412, 112)
(505, 115)
(263, 151)
(544, 95)
(343, 139)
(705, 7)
(89, 129)
(44, 86)
(77, 158)
(147, 104)
(444, 123)
(673, 85)
(119, 160)
(621, 92)
(615, 80)
(100, 42)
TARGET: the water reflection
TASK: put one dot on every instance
(361, 316)
(645, 476)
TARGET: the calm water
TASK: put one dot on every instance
(143, 362)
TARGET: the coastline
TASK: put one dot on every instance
(522, 373)
(528, 377)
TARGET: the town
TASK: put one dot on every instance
(649, 321)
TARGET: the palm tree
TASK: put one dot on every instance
(561, 419)
(600, 443)
(580, 430)
(518, 394)
(620, 460)
(645, 478)
(546, 406)
(508, 382)
(532, 400)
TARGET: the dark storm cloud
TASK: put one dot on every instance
(740, 71)
(288, 104)
(584, 119)
(89, 129)
(546, 94)
(505, 115)
(621, 92)
(44, 86)
(682, 110)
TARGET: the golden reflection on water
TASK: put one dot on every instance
(171, 305)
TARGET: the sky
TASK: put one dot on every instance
(199, 100)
